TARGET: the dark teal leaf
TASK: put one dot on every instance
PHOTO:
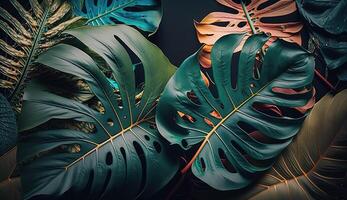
(124, 156)
(234, 135)
(144, 14)
(327, 24)
(8, 126)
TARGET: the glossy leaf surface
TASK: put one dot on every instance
(327, 24)
(123, 155)
(235, 139)
(143, 14)
(36, 31)
(254, 17)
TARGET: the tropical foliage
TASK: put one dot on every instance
(123, 148)
(144, 14)
(305, 170)
(40, 30)
(326, 21)
(236, 134)
(91, 109)
(252, 17)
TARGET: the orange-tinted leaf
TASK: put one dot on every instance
(209, 32)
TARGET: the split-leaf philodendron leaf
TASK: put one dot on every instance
(234, 136)
(144, 14)
(124, 156)
(313, 166)
(32, 33)
(249, 17)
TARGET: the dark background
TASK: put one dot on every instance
(176, 37)
(176, 34)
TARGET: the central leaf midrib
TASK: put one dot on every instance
(109, 11)
(210, 133)
(30, 57)
(110, 139)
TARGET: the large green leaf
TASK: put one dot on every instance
(124, 156)
(36, 31)
(327, 25)
(313, 166)
(144, 14)
(237, 131)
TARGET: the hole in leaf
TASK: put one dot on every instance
(142, 158)
(222, 106)
(208, 122)
(266, 4)
(268, 109)
(147, 137)
(122, 151)
(70, 148)
(186, 117)
(246, 127)
(109, 158)
(241, 24)
(222, 24)
(184, 143)
(238, 147)
(215, 114)
(258, 136)
(226, 163)
(191, 95)
(202, 163)
(109, 2)
(110, 122)
(157, 146)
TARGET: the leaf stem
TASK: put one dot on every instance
(324, 80)
(248, 17)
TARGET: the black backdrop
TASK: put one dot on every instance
(176, 37)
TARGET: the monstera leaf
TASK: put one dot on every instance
(315, 164)
(144, 14)
(232, 136)
(8, 126)
(9, 182)
(41, 29)
(257, 16)
(326, 22)
(123, 156)
(312, 167)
